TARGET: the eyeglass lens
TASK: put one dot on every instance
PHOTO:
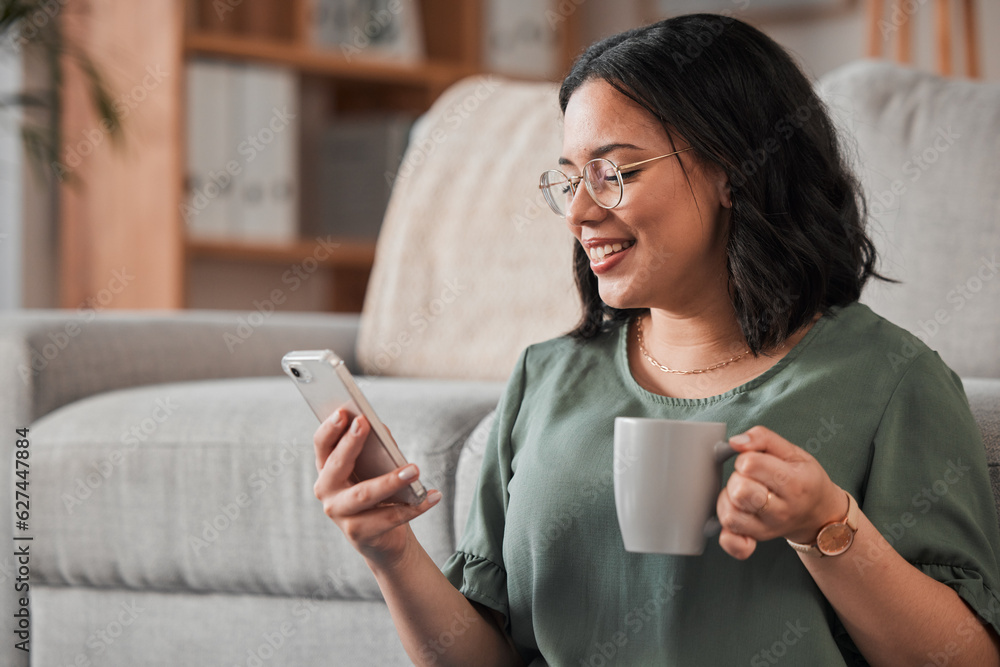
(600, 177)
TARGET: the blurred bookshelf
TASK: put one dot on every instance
(341, 83)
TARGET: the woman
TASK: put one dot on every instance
(719, 267)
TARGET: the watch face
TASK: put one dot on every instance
(835, 539)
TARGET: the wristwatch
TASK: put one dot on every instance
(835, 537)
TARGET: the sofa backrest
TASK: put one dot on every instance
(927, 150)
(471, 265)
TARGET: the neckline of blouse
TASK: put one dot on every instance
(621, 361)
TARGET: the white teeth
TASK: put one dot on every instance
(598, 253)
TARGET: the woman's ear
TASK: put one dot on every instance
(725, 196)
(716, 175)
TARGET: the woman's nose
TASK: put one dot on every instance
(583, 209)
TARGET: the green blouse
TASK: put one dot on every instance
(881, 412)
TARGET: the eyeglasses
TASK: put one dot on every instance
(602, 177)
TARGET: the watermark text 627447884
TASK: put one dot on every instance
(22, 548)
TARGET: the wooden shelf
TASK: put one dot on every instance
(328, 63)
(129, 213)
(348, 253)
(363, 83)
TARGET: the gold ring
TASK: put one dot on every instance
(760, 510)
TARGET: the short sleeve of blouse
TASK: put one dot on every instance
(928, 489)
(477, 569)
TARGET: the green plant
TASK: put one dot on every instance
(35, 27)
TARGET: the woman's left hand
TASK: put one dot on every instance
(777, 490)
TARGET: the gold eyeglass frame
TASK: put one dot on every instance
(575, 182)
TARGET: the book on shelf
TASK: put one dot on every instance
(360, 29)
(266, 143)
(242, 132)
(209, 186)
(357, 158)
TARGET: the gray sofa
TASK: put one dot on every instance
(171, 508)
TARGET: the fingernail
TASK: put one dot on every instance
(337, 418)
(433, 497)
(356, 426)
(408, 473)
(741, 439)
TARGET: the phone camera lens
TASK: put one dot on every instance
(295, 372)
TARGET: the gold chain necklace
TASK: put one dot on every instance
(642, 349)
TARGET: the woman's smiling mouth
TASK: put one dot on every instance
(606, 253)
(599, 252)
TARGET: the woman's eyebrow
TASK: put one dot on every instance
(601, 151)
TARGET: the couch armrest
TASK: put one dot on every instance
(52, 358)
(984, 399)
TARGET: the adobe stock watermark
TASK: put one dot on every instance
(900, 14)
(532, 208)
(922, 502)
(773, 654)
(229, 513)
(784, 128)
(305, 608)
(104, 638)
(216, 182)
(294, 277)
(443, 478)
(965, 632)
(958, 297)
(827, 431)
(86, 312)
(707, 37)
(28, 28)
(604, 652)
(453, 117)
(272, 641)
(420, 320)
(459, 624)
(595, 490)
(378, 22)
(224, 7)
(913, 169)
(561, 12)
(123, 105)
(141, 431)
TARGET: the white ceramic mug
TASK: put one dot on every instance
(668, 475)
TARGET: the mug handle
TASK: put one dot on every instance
(723, 452)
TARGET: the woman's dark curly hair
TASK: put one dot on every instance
(797, 243)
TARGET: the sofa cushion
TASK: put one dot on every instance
(471, 265)
(208, 486)
(928, 152)
(467, 477)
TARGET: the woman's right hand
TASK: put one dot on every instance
(379, 533)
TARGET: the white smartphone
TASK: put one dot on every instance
(326, 384)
